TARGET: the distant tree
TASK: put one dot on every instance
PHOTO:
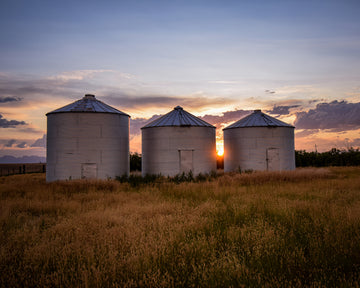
(135, 162)
(334, 157)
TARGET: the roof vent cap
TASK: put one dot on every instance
(178, 108)
(89, 96)
(257, 111)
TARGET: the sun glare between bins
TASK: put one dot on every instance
(178, 142)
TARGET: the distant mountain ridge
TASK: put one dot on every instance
(7, 159)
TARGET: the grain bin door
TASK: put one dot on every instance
(88, 171)
(273, 159)
(186, 160)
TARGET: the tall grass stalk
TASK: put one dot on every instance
(280, 229)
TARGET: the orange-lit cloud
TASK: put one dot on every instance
(323, 135)
(25, 100)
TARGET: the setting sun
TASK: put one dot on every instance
(219, 146)
(220, 152)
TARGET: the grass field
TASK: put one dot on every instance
(289, 229)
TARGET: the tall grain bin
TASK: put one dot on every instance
(87, 139)
(178, 142)
(259, 142)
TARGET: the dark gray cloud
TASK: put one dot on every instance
(41, 142)
(335, 116)
(137, 123)
(282, 110)
(227, 117)
(315, 100)
(9, 99)
(10, 143)
(14, 143)
(21, 145)
(270, 92)
(4, 123)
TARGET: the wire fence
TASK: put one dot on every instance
(12, 169)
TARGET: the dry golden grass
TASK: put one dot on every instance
(288, 229)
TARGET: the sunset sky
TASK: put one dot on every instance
(298, 61)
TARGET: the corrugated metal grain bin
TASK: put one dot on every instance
(259, 142)
(178, 142)
(87, 139)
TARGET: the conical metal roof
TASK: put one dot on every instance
(178, 117)
(258, 119)
(88, 104)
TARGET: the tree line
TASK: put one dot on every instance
(334, 157)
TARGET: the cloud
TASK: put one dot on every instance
(124, 100)
(122, 90)
(137, 123)
(270, 92)
(315, 100)
(282, 110)
(30, 129)
(10, 143)
(224, 82)
(306, 132)
(216, 120)
(41, 142)
(77, 75)
(354, 143)
(9, 99)
(133, 101)
(334, 115)
(30, 90)
(271, 102)
(226, 117)
(21, 145)
(4, 123)
(14, 143)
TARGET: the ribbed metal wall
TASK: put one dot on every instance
(176, 149)
(87, 145)
(259, 148)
